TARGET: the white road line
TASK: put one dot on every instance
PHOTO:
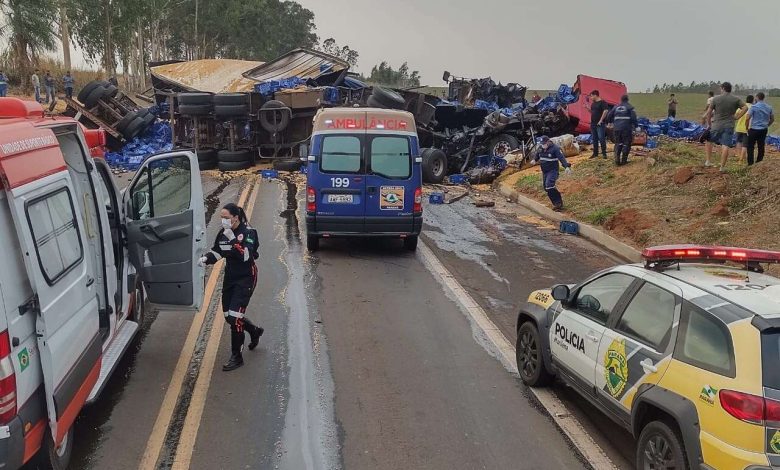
(500, 347)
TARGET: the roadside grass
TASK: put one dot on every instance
(601, 215)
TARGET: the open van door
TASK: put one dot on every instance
(166, 229)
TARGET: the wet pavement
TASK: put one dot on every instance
(365, 362)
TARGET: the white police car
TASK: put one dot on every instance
(683, 351)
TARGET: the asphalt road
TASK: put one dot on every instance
(365, 361)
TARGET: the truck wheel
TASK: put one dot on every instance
(56, 458)
(274, 116)
(233, 166)
(125, 121)
(434, 165)
(94, 97)
(660, 446)
(528, 354)
(231, 99)
(232, 111)
(236, 156)
(312, 243)
(88, 88)
(207, 159)
(195, 109)
(287, 165)
(391, 99)
(195, 98)
(410, 243)
(502, 144)
(111, 91)
(134, 128)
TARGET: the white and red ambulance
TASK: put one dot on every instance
(81, 259)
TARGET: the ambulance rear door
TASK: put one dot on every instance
(166, 228)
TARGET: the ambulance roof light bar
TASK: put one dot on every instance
(660, 256)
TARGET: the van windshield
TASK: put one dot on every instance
(390, 157)
(340, 154)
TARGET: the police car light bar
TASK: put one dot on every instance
(712, 253)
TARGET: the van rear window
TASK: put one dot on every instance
(770, 358)
(340, 154)
(390, 157)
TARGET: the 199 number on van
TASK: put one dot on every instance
(339, 182)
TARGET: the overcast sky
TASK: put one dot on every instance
(543, 43)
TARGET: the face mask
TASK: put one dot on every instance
(226, 223)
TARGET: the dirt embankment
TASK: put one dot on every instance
(666, 196)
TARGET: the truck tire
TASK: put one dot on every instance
(233, 166)
(53, 458)
(410, 243)
(312, 243)
(373, 103)
(274, 121)
(528, 354)
(195, 109)
(149, 120)
(231, 99)
(195, 98)
(125, 121)
(111, 91)
(88, 88)
(287, 165)
(390, 98)
(207, 159)
(502, 144)
(434, 165)
(232, 111)
(95, 96)
(234, 156)
(134, 128)
(660, 442)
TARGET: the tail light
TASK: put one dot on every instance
(7, 381)
(749, 408)
(311, 200)
(418, 200)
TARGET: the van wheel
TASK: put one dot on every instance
(139, 305)
(53, 458)
(528, 354)
(410, 243)
(660, 447)
(312, 243)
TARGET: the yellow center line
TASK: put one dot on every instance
(189, 432)
(165, 415)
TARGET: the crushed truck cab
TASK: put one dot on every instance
(81, 257)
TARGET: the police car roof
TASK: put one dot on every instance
(732, 284)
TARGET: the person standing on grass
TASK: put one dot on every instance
(598, 128)
(759, 118)
(3, 84)
(720, 119)
(548, 157)
(741, 129)
(710, 97)
(48, 81)
(36, 83)
(624, 118)
(67, 83)
(672, 112)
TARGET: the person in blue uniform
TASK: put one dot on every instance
(549, 157)
(623, 117)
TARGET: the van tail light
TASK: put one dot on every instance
(418, 200)
(311, 200)
(745, 407)
(7, 381)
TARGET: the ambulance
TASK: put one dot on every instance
(82, 260)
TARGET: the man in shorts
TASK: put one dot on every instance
(720, 117)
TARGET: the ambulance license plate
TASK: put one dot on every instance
(340, 198)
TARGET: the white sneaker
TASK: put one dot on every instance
(723, 169)
(707, 164)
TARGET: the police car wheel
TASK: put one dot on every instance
(312, 242)
(660, 447)
(528, 353)
(55, 458)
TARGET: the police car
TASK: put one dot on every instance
(682, 351)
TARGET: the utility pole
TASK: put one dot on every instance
(196, 31)
(65, 35)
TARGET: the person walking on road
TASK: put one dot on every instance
(548, 158)
(759, 118)
(720, 118)
(623, 117)
(238, 243)
(48, 81)
(672, 111)
(3, 84)
(67, 83)
(598, 128)
(35, 80)
(741, 129)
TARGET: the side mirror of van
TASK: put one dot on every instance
(303, 152)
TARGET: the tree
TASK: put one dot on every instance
(29, 26)
(383, 74)
(349, 55)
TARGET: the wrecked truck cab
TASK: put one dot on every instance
(579, 111)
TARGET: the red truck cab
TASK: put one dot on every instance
(579, 111)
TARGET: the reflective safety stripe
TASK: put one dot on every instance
(216, 255)
(233, 313)
(622, 118)
(246, 255)
(548, 159)
(225, 247)
(551, 187)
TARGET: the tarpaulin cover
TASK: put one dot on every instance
(157, 138)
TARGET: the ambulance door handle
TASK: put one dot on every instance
(90, 281)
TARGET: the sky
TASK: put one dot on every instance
(543, 43)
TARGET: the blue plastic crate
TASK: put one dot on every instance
(570, 227)
(269, 174)
(458, 179)
(436, 198)
(304, 169)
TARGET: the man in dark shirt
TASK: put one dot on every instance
(598, 115)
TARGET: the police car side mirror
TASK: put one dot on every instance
(561, 292)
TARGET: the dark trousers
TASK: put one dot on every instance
(548, 180)
(672, 113)
(756, 136)
(235, 299)
(599, 136)
(69, 92)
(623, 140)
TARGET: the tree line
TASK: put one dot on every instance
(704, 87)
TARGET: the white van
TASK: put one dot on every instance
(80, 257)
